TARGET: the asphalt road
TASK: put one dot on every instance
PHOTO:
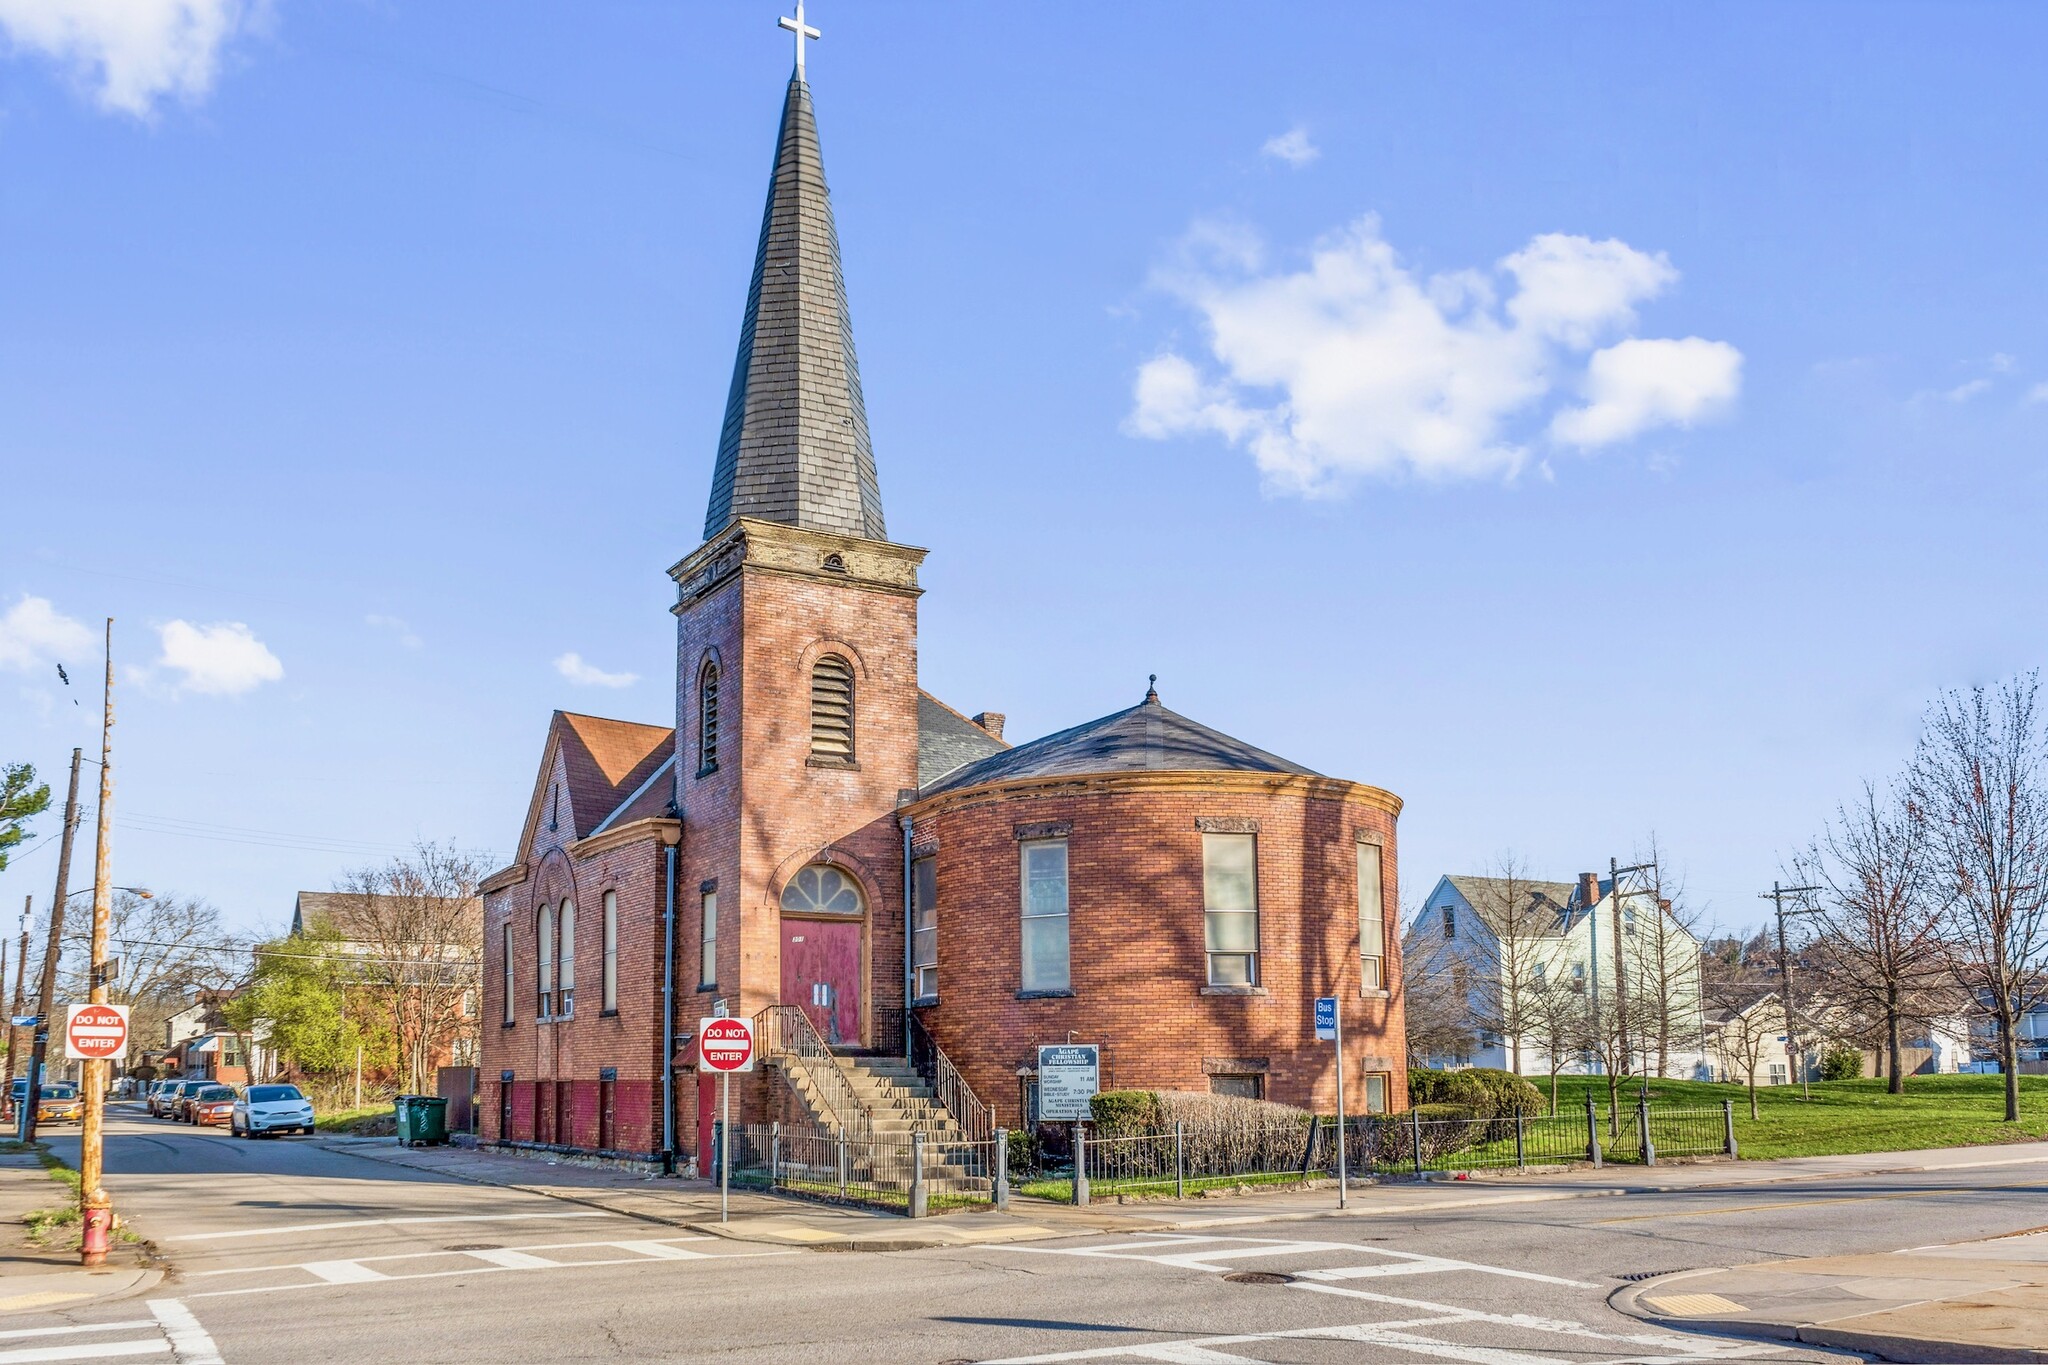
(285, 1250)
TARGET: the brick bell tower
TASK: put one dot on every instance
(796, 657)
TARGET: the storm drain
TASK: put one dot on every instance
(1641, 1275)
(1258, 1277)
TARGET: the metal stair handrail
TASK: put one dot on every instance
(789, 1032)
(948, 1084)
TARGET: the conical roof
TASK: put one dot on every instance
(795, 448)
(1145, 738)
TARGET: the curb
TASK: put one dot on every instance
(19, 1294)
(1892, 1346)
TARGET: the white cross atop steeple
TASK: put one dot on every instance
(802, 31)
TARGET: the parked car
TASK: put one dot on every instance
(159, 1097)
(271, 1109)
(210, 1105)
(180, 1099)
(60, 1102)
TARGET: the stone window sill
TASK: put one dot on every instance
(1234, 990)
(510, 1023)
(924, 1002)
(607, 1014)
(706, 771)
(844, 764)
(1045, 995)
(708, 989)
(1366, 993)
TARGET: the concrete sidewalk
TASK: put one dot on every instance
(1968, 1302)
(784, 1220)
(36, 1277)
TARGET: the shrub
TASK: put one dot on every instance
(1841, 1064)
(1126, 1113)
(1023, 1151)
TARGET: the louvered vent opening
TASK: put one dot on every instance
(707, 718)
(832, 708)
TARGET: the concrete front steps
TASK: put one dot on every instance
(898, 1103)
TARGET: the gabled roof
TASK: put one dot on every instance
(946, 740)
(794, 447)
(604, 763)
(1145, 738)
(1542, 903)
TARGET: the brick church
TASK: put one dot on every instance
(887, 885)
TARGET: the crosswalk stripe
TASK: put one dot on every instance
(663, 1251)
(85, 1350)
(20, 1332)
(189, 1342)
(342, 1272)
(513, 1260)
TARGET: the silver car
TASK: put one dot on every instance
(270, 1109)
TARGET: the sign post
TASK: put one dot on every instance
(725, 1046)
(1330, 1028)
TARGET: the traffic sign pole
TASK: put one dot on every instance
(96, 1207)
(725, 1045)
(1343, 1174)
(724, 1145)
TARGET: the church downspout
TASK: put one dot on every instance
(668, 1014)
(909, 937)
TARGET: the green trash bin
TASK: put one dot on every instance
(422, 1119)
(401, 1110)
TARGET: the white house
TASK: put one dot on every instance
(1545, 962)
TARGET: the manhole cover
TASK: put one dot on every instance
(1258, 1277)
(473, 1246)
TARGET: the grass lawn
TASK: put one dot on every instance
(372, 1120)
(1845, 1116)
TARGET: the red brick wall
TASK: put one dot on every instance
(1136, 934)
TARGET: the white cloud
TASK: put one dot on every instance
(225, 659)
(35, 636)
(1963, 393)
(132, 52)
(1634, 385)
(2037, 394)
(1292, 147)
(397, 627)
(572, 667)
(1355, 365)
(2001, 363)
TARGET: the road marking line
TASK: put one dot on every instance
(512, 1260)
(190, 1345)
(342, 1272)
(86, 1351)
(472, 1270)
(434, 1255)
(1218, 1260)
(1373, 1272)
(20, 1332)
(391, 1222)
(664, 1251)
(1817, 1203)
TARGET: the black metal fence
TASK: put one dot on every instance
(909, 1173)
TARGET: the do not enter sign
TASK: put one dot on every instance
(95, 1032)
(726, 1044)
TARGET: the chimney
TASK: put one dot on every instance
(1589, 890)
(1664, 905)
(991, 721)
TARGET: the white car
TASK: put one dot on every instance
(270, 1109)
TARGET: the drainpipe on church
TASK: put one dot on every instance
(668, 1008)
(909, 938)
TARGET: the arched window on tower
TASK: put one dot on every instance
(707, 718)
(832, 709)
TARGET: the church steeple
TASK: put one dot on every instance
(795, 445)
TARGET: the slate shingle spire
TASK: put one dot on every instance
(795, 446)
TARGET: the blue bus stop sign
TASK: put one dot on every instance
(1326, 1018)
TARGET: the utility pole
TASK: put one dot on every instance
(18, 1002)
(1615, 872)
(96, 1207)
(48, 993)
(1777, 895)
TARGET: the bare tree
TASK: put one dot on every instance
(170, 948)
(1879, 944)
(1500, 955)
(1560, 1021)
(1739, 988)
(1661, 955)
(1435, 993)
(414, 930)
(1978, 778)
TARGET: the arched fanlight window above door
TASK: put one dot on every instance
(822, 890)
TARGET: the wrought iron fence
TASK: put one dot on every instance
(948, 1085)
(906, 1173)
(786, 1033)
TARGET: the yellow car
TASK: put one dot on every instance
(60, 1101)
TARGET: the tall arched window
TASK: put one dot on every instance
(611, 951)
(505, 938)
(707, 718)
(544, 955)
(568, 967)
(832, 709)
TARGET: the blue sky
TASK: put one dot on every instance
(1582, 420)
